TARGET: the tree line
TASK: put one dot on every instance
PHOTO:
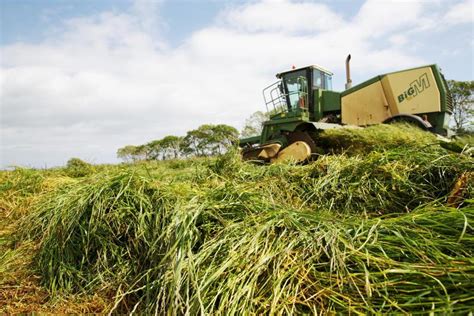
(206, 140)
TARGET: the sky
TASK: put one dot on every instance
(82, 78)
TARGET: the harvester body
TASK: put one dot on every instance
(302, 102)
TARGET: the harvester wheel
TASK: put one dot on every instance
(306, 137)
(302, 136)
(261, 153)
(298, 151)
(301, 147)
(410, 119)
(251, 153)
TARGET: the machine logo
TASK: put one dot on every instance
(416, 87)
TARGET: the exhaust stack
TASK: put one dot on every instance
(348, 73)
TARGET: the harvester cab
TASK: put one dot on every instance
(302, 103)
(293, 94)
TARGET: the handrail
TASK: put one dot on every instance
(273, 95)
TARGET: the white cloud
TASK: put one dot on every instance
(398, 40)
(378, 18)
(460, 13)
(104, 81)
(282, 16)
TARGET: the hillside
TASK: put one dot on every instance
(383, 222)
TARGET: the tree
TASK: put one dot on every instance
(223, 137)
(195, 141)
(463, 109)
(133, 153)
(155, 149)
(254, 124)
(168, 147)
(127, 153)
(142, 152)
(76, 167)
(209, 139)
(171, 146)
(206, 140)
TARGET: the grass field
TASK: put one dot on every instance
(382, 223)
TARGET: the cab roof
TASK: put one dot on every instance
(301, 68)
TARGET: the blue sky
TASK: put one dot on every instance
(30, 20)
(82, 78)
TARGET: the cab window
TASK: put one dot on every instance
(317, 79)
(296, 89)
(321, 80)
(328, 82)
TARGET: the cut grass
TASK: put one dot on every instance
(363, 231)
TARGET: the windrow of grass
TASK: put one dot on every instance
(379, 138)
(363, 231)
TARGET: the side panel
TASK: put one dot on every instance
(317, 113)
(331, 101)
(412, 91)
(273, 129)
(365, 106)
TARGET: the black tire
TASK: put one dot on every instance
(302, 136)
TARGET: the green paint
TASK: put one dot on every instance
(442, 88)
(331, 101)
(317, 112)
(250, 140)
